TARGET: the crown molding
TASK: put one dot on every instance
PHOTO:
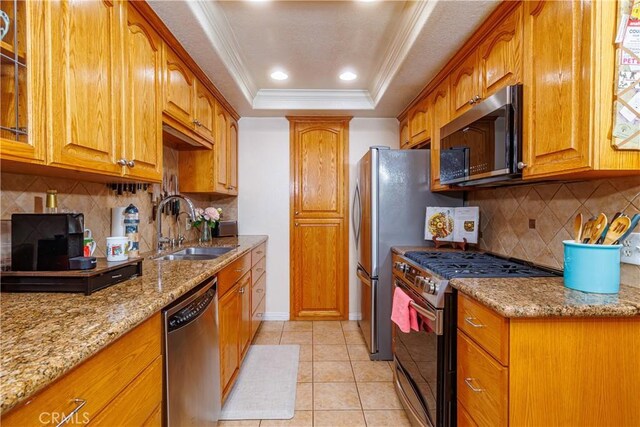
(312, 99)
(216, 27)
(409, 29)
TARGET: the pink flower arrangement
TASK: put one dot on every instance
(210, 216)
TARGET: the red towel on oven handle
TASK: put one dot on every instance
(402, 313)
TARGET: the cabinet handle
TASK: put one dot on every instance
(259, 269)
(259, 314)
(131, 163)
(241, 290)
(522, 165)
(122, 162)
(259, 252)
(259, 291)
(239, 270)
(80, 403)
(470, 321)
(197, 122)
(467, 381)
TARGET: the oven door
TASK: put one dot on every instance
(419, 364)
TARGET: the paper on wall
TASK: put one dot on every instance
(452, 224)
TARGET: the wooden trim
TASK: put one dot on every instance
(472, 43)
(300, 119)
(143, 7)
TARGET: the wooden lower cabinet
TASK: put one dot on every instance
(229, 318)
(245, 309)
(121, 384)
(558, 372)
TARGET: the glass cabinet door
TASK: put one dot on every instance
(13, 70)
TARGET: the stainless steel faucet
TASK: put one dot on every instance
(163, 202)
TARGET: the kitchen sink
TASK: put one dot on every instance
(195, 254)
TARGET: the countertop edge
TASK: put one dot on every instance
(115, 332)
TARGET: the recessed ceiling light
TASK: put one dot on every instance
(348, 75)
(279, 75)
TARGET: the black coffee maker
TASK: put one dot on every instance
(46, 242)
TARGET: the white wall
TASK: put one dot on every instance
(263, 200)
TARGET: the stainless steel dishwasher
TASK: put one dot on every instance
(192, 358)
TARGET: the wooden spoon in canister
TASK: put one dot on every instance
(587, 229)
(598, 227)
(577, 228)
(618, 227)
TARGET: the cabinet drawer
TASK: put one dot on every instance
(96, 381)
(232, 273)
(257, 316)
(464, 419)
(485, 326)
(137, 402)
(258, 269)
(482, 384)
(258, 292)
(258, 252)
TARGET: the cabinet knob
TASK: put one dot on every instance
(197, 122)
(297, 213)
(131, 163)
(122, 162)
(296, 224)
(522, 165)
(476, 99)
(471, 102)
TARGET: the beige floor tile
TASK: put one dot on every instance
(306, 353)
(328, 372)
(328, 337)
(358, 352)
(305, 372)
(239, 423)
(298, 325)
(267, 338)
(335, 396)
(377, 395)
(353, 337)
(296, 337)
(329, 352)
(367, 371)
(304, 397)
(272, 325)
(387, 418)
(338, 419)
(300, 419)
(350, 325)
(327, 325)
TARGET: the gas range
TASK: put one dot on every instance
(429, 272)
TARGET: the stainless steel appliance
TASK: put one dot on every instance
(192, 358)
(484, 145)
(425, 360)
(389, 207)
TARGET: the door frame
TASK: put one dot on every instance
(344, 122)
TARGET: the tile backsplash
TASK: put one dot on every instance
(507, 213)
(26, 193)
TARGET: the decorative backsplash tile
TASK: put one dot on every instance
(507, 215)
(26, 193)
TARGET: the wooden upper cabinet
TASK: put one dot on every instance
(501, 54)
(179, 90)
(404, 133)
(222, 150)
(233, 157)
(205, 116)
(465, 85)
(439, 101)
(419, 123)
(556, 92)
(86, 86)
(143, 118)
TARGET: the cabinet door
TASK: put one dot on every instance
(229, 312)
(465, 87)
(143, 102)
(179, 89)
(439, 100)
(556, 95)
(233, 157)
(245, 322)
(205, 116)
(418, 123)
(85, 83)
(221, 148)
(404, 133)
(501, 54)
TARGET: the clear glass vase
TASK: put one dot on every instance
(205, 233)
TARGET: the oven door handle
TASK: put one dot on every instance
(428, 314)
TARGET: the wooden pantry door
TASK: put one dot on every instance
(319, 185)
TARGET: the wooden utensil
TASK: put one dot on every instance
(577, 228)
(634, 223)
(618, 227)
(598, 227)
(587, 229)
(606, 229)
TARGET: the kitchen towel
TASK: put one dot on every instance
(402, 314)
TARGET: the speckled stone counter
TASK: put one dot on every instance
(541, 296)
(43, 336)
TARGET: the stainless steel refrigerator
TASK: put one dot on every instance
(389, 207)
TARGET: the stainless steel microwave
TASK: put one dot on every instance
(484, 145)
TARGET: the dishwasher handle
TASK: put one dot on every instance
(191, 312)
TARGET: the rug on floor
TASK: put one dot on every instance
(266, 386)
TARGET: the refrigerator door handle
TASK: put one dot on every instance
(364, 278)
(356, 218)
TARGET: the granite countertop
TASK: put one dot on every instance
(541, 296)
(45, 335)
